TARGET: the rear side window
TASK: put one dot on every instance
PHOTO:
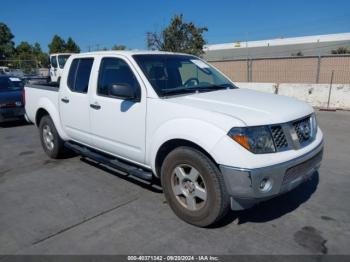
(79, 75)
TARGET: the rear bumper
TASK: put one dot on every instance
(11, 114)
(245, 185)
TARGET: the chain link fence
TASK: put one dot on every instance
(24, 67)
(303, 69)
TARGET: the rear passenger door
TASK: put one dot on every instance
(74, 100)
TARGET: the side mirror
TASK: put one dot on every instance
(123, 91)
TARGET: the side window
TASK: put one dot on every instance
(72, 73)
(79, 75)
(53, 61)
(115, 71)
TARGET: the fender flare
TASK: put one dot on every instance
(50, 108)
(199, 132)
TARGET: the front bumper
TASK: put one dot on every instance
(10, 114)
(244, 185)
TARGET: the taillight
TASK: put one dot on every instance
(8, 105)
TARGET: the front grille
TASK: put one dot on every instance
(303, 129)
(279, 137)
(302, 169)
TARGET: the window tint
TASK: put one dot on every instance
(115, 71)
(72, 73)
(180, 73)
(54, 61)
(79, 75)
(83, 75)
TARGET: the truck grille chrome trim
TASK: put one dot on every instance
(295, 134)
(303, 129)
(279, 137)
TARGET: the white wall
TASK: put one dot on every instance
(315, 94)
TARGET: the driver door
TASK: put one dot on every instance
(118, 124)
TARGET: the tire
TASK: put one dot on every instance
(54, 149)
(186, 174)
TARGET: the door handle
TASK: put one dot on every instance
(95, 106)
(65, 100)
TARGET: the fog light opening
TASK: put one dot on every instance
(265, 185)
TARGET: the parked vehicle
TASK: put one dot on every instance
(11, 98)
(57, 62)
(4, 70)
(17, 73)
(175, 117)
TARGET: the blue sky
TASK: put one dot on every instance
(104, 23)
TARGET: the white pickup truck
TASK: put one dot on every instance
(174, 117)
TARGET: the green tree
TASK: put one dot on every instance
(119, 47)
(179, 36)
(25, 58)
(7, 46)
(57, 45)
(41, 57)
(341, 50)
(71, 46)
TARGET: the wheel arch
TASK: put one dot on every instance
(172, 144)
(40, 113)
(46, 108)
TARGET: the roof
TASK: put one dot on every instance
(281, 47)
(129, 52)
(52, 54)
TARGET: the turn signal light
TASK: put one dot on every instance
(242, 140)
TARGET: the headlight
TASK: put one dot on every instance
(258, 139)
(313, 120)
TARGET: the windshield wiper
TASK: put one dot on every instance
(178, 90)
(181, 89)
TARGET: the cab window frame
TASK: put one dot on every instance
(138, 87)
(76, 69)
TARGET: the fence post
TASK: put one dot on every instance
(251, 70)
(318, 69)
(247, 70)
(330, 89)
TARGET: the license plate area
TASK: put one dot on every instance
(302, 169)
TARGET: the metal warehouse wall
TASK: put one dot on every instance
(312, 69)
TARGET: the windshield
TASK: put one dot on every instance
(62, 59)
(179, 74)
(10, 84)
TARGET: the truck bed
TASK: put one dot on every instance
(40, 96)
(49, 87)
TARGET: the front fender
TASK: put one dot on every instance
(201, 133)
(47, 105)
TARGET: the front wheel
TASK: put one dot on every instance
(51, 142)
(194, 187)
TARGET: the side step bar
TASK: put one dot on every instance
(112, 162)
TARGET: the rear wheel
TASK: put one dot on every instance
(194, 187)
(51, 142)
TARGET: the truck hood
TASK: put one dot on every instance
(251, 107)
